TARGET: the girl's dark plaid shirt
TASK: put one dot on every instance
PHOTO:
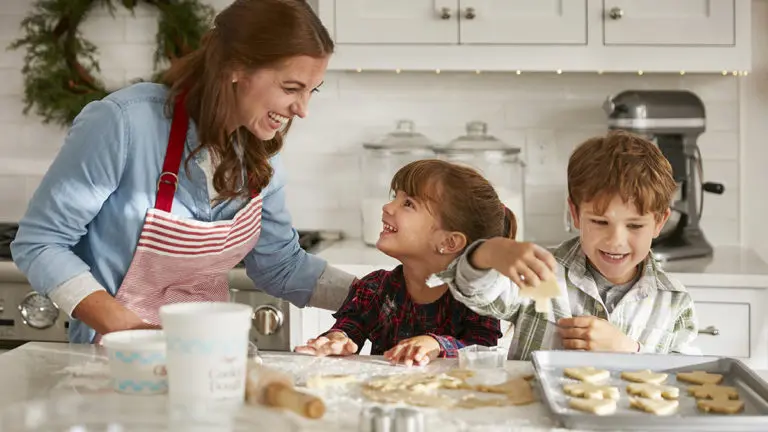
(379, 308)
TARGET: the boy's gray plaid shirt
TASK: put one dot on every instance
(657, 311)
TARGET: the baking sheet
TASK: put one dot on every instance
(549, 366)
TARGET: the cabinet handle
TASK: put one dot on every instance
(445, 13)
(711, 330)
(616, 13)
(469, 13)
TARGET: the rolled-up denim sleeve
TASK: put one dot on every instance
(277, 264)
(83, 175)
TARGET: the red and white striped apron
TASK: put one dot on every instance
(183, 260)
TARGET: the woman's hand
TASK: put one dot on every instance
(332, 344)
(419, 350)
(526, 264)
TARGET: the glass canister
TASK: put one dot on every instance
(497, 161)
(381, 161)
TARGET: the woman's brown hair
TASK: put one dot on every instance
(459, 197)
(248, 35)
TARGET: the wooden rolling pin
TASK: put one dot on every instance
(272, 388)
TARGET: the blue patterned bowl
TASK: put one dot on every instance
(137, 361)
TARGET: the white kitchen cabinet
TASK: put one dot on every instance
(396, 22)
(514, 22)
(733, 323)
(539, 35)
(664, 22)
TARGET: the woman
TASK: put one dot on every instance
(120, 226)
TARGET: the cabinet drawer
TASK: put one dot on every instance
(724, 329)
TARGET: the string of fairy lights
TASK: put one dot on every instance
(560, 72)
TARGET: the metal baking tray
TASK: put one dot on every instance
(549, 365)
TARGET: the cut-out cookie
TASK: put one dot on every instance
(713, 391)
(653, 391)
(654, 406)
(320, 381)
(541, 294)
(461, 374)
(720, 406)
(599, 407)
(699, 377)
(591, 391)
(645, 376)
(518, 391)
(587, 374)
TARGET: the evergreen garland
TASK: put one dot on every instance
(60, 65)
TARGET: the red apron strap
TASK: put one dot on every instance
(169, 177)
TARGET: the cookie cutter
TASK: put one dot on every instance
(487, 363)
(401, 419)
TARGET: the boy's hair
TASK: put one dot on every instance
(624, 164)
(458, 196)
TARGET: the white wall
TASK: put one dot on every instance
(754, 97)
(545, 114)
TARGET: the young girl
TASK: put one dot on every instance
(438, 209)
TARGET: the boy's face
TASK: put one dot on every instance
(616, 241)
(409, 229)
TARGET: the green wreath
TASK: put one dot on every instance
(60, 66)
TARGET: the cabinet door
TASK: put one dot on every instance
(669, 22)
(396, 22)
(512, 22)
(724, 329)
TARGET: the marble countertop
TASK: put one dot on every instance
(76, 377)
(73, 380)
(730, 267)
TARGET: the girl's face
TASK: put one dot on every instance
(409, 229)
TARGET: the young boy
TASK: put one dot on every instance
(614, 296)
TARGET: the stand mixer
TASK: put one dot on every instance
(673, 119)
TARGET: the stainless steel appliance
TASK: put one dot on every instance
(673, 119)
(27, 316)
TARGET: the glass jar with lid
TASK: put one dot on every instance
(497, 161)
(381, 160)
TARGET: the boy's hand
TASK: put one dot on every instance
(591, 333)
(524, 263)
(332, 344)
(419, 350)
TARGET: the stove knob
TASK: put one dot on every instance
(267, 320)
(38, 311)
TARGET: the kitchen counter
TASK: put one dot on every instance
(67, 375)
(730, 267)
(60, 372)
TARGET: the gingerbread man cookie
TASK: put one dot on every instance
(720, 406)
(645, 376)
(699, 377)
(591, 391)
(587, 374)
(713, 391)
(653, 391)
(654, 406)
(541, 294)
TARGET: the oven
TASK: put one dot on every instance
(26, 316)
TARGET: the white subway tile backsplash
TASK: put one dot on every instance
(104, 29)
(15, 7)
(141, 29)
(545, 114)
(11, 81)
(10, 27)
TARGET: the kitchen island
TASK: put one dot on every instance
(66, 374)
